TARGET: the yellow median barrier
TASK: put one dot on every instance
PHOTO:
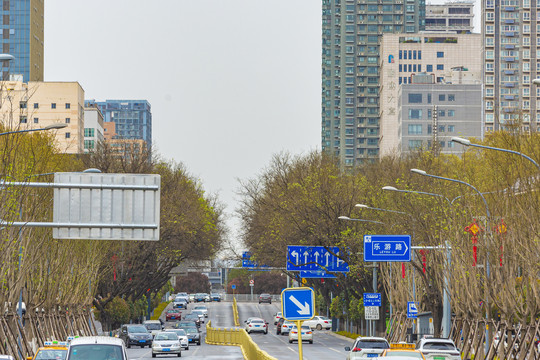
(236, 337)
(235, 313)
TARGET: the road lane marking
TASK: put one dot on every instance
(339, 352)
(290, 348)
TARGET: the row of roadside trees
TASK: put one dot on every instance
(74, 274)
(297, 200)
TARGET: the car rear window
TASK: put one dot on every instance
(257, 321)
(153, 326)
(438, 346)
(137, 329)
(95, 352)
(372, 344)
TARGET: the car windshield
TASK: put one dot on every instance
(153, 326)
(197, 312)
(438, 346)
(166, 336)
(371, 344)
(404, 354)
(95, 352)
(200, 308)
(51, 354)
(172, 311)
(192, 331)
(137, 329)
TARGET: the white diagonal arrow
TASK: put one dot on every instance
(295, 254)
(304, 309)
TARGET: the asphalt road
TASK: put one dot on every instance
(325, 345)
(221, 316)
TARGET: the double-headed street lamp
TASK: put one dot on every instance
(423, 173)
(467, 142)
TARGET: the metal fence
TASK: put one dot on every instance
(248, 297)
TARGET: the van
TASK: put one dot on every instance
(153, 326)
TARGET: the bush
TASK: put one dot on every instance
(159, 309)
(117, 312)
(350, 335)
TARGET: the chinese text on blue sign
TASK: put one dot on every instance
(387, 248)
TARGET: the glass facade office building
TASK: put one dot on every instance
(351, 36)
(133, 118)
(21, 34)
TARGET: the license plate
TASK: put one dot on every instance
(372, 355)
(439, 358)
(257, 325)
(142, 341)
(173, 317)
(166, 349)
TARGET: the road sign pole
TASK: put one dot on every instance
(299, 328)
(374, 290)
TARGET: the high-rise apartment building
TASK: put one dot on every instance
(21, 30)
(511, 31)
(453, 17)
(39, 104)
(351, 35)
(133, 118)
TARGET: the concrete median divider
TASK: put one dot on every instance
(236, 337)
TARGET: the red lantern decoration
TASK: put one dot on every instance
(474, 229)
(403, 270)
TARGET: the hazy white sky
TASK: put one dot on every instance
(231, 82)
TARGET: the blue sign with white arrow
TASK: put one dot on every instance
(372, 299)
(304, 258)
(387, 248)
(412, 311)
(298, 303)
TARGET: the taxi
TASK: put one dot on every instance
(403, 351)
(53, 350)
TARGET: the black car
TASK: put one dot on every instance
(278, 325)
(194, 318)
(135, 335)
(265, 298)
(199, 298)
(194, 336)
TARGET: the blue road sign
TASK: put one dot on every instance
(372, 299)
(412, 311)
(387, 248)
(233, 287)
(316, 274)
(305, 258)
(298, 303)
(248, 263)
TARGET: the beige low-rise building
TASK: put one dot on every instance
(447, 58)
(39, 104)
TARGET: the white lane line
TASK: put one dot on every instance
(339, 352)
(290, 348)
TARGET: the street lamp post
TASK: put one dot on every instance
(488, 231)
(467, 142)
(48, 127)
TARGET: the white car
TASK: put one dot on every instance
(307, 334)
(182, 336)
(153, 326)
(438, 349)
(101, 347)
(367, 347)
(256, 325)
(202, 308)
(277, 316)
(286, 327)
(166, 342)
(319, 323)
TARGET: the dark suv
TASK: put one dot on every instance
(135, 334)
(266, 298)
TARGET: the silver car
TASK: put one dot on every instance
(166, 342)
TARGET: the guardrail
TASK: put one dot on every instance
(236, 337)
(235, 313)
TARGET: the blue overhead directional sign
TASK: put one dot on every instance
(372, 299)
(298, 303)
(316, 274)
(248, 263)
(302, 258)
(412, 311)
(387, 248)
